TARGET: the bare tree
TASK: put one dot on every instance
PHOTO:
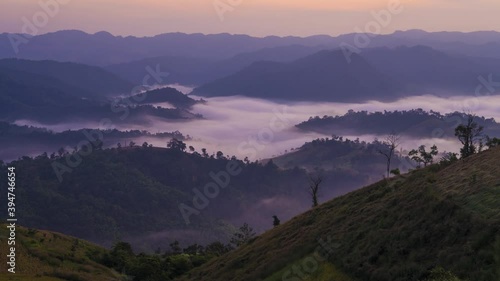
(470, 135)
(315, 180)
(391, 142)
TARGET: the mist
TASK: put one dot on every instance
(260, 129)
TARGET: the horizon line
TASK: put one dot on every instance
(253, 36)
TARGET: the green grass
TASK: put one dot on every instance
(324, 272)
(395, 230)
(48, 256)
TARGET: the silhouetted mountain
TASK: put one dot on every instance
(329, 76)
(22, 92)
(75, 79)
(324, 76)
(422, 68)
(165, 95)
(47, 99)
(103, 48)
(475, 37)
(197, 71)
(182, 70)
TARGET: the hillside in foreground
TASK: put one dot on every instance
(443, 219)
(49, 256)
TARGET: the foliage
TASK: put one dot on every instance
(414, 123)
(161, 267)
(421, 156)
(492, 142)
(448, 158)
(396, 172)
(130, 191)
(243, 235)
(176, 144)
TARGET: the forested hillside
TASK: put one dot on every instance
(406, 228)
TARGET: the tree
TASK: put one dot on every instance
(421, 156)
(175, 248)
(194, 249)
(396, 172)
(191, 148)
(217, 249)
(492, 142)
(176, 144)
(391, 142)
(276, 221)
(243, 235)
(220, 155)
(121, 256)
(315, 180)
(469, 134)
(448, 157)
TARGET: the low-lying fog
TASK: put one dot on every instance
(260, 129)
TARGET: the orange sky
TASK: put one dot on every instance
(255, 17)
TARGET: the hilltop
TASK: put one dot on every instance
(446, 215)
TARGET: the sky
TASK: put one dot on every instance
(253, 17)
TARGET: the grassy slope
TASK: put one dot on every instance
(48, 256)
(395, 230)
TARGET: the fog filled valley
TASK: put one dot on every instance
(231, 157)
(271, 123)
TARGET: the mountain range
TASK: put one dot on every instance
(375, 74)
(103, 48)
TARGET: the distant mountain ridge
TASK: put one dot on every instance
(374, 74)
(102, 48)
(80, 80)
(197, 71)
(324, 76)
